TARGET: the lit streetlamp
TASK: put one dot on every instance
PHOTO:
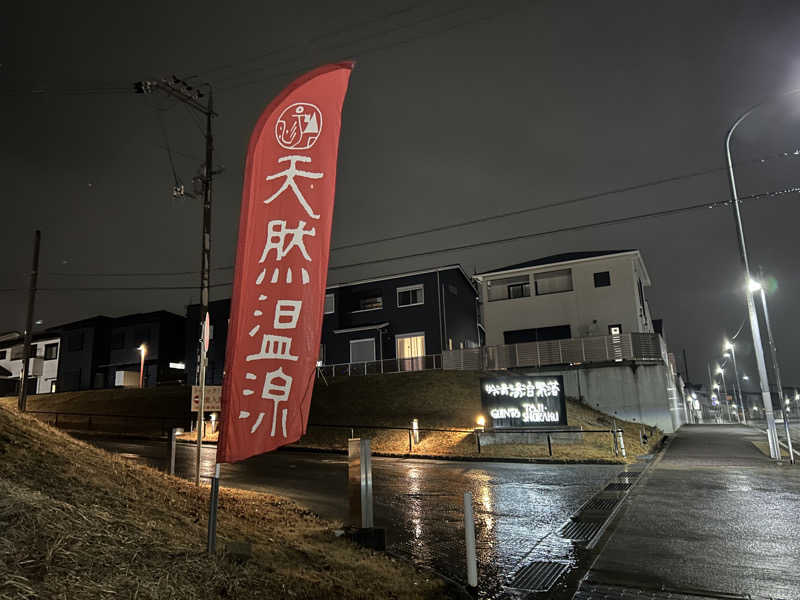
(731, 353)
(766, 398)
(143, 352)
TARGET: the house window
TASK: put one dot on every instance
(509, 287)
(411, 351)
(602, 279)
(370, 303)
(553, 282)
(75, 342)
(362, 350)
(118, 340)
(50, 351)
(615, 329)
(410, 295)
(3, 354)
(330, 304)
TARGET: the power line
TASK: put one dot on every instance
(606, 222)
(68, 91)
(381, 18)
(116, 289)
(638, 186)
(378, 48)
(594, 196)
(661, 213)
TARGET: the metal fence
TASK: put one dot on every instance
(595, 349)
(109, 423)
(388, 365)
(412, 441)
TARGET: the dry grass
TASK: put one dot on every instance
(79, 523)
(447, 400)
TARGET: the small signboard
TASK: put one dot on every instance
(212, 401)
(524, 402)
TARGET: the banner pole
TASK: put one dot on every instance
(211, 546)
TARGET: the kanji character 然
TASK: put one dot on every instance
(277, 232)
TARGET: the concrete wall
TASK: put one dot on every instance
(635, 392)
(618, 303)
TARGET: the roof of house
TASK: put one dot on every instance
(559, 258)
(9, 341)
(408, 274)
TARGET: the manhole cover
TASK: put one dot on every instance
(538, 576)
(581, 530)
(618, 487)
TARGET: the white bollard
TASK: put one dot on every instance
(469, 534)
(621, 443)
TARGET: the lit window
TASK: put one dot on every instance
(370, 303)
(411, 295)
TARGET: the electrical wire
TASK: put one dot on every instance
(583, 226)
(313, 40)
(594, 196)
(616, 221)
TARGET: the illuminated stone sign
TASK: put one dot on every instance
(524, 402)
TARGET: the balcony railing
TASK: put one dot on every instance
(388, 365)
(596, 349)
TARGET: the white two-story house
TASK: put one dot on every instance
(572, 295)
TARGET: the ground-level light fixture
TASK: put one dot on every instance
(745, 377)
(143, 352)
(481, 421)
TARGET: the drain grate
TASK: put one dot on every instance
(629, 474)
(538, 576)
(619, 486)
(600, 504)
(581, 530)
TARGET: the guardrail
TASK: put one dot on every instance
(413, 435)
(97, 421)
(595, 349)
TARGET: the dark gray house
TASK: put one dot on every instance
(405, 316)
(98, 352)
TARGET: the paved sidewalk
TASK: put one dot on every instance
(714, 517)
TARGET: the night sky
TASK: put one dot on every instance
(455, 112)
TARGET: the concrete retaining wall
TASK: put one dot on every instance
(630, 391)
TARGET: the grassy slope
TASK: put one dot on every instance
(442, 399)
(167, 401)
(79, 523)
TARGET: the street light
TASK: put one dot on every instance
(736, 385)
(766, 398)
(143, 352)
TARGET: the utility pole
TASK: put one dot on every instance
(190, 96)
(26, 348)
(686, 365)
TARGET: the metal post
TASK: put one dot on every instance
(788, 435)
(621, 443)
(415, 429)
(772, 348)
(26, 346)
(549, 446)
(766, 398)
(737, 385)
(478, 440)
(173, 435)
(200, 413)
(212, 512)
(367, 513)
(469, 536)
(409, 441)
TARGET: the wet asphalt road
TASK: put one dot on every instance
(518, 507)
(714, 514)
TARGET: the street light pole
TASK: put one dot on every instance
(142, 351)
(721, 372)
(774, 355)
(737, 385)
(766, 398)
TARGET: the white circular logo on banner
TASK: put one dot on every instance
(298, 126)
